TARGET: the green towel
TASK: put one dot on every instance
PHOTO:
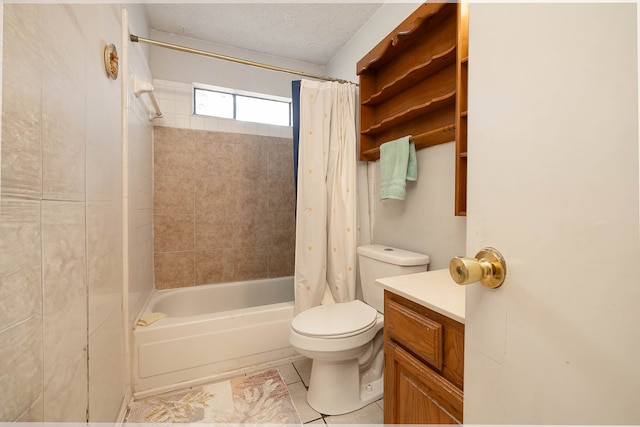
(398, 163)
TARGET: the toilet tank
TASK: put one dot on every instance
(378, 261)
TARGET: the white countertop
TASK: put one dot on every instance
(433, 289)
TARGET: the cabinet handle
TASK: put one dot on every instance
(488, 267)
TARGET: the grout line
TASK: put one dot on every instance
(299, 376)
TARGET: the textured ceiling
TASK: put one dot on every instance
(310, 32)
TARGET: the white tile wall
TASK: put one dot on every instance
(60, 247)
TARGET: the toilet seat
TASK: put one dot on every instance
(335, 320)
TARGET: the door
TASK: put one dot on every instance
(553, 185)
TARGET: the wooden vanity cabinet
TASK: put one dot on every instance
(424, 364)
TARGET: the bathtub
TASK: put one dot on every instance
(212, 332)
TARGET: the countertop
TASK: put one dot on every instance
(435, 290)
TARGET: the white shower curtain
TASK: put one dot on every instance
(326, 234)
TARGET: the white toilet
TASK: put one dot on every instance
(345, 340)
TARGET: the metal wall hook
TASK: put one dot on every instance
(488, 267)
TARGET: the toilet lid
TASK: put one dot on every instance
(335, 320)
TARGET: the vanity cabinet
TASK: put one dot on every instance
(424, 364)
(414, 82)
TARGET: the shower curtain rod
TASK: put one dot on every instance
(137, 39)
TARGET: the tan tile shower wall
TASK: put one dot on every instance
(223, 207)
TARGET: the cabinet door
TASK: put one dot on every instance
(415, 394)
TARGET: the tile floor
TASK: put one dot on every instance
(296, 376)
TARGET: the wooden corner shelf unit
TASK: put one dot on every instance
(414, 82)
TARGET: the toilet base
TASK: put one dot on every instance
(339, 387)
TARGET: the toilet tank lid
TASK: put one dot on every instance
(392, 255)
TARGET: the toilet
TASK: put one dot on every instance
(344, 340)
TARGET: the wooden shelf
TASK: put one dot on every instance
(414, 82)
(413, 76)
(379, 55)
(423, 140)
(462, 72)
(412, 113)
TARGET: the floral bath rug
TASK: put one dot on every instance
(260, 398)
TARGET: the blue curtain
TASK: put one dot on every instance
(295, 118)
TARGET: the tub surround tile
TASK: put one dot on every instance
(283, 229)
(174, 154)
(214, 193)
(173, 194)
(214, 231)
(252, 229)
(238, 193)
(214, 157)
(251, 263)
(250, 196)
(282, 196)
(281, 261)
(173, 233)
(215, 266)
(249, 158)
(174, 269)
(280, 160)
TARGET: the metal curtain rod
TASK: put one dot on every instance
(137, 39)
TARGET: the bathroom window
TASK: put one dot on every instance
(241, 106)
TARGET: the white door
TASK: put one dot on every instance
(553, 185)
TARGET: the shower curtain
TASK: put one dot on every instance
(326, 222)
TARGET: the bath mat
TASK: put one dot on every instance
(260, 398)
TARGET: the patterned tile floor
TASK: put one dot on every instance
(296, 376)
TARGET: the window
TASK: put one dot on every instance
(229, 105)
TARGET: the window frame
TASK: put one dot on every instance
(236, 93)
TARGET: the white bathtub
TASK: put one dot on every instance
(212, 332)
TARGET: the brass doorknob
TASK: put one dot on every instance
(488, 267)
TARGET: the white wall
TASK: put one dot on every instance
(178, 66)
(424, 222)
